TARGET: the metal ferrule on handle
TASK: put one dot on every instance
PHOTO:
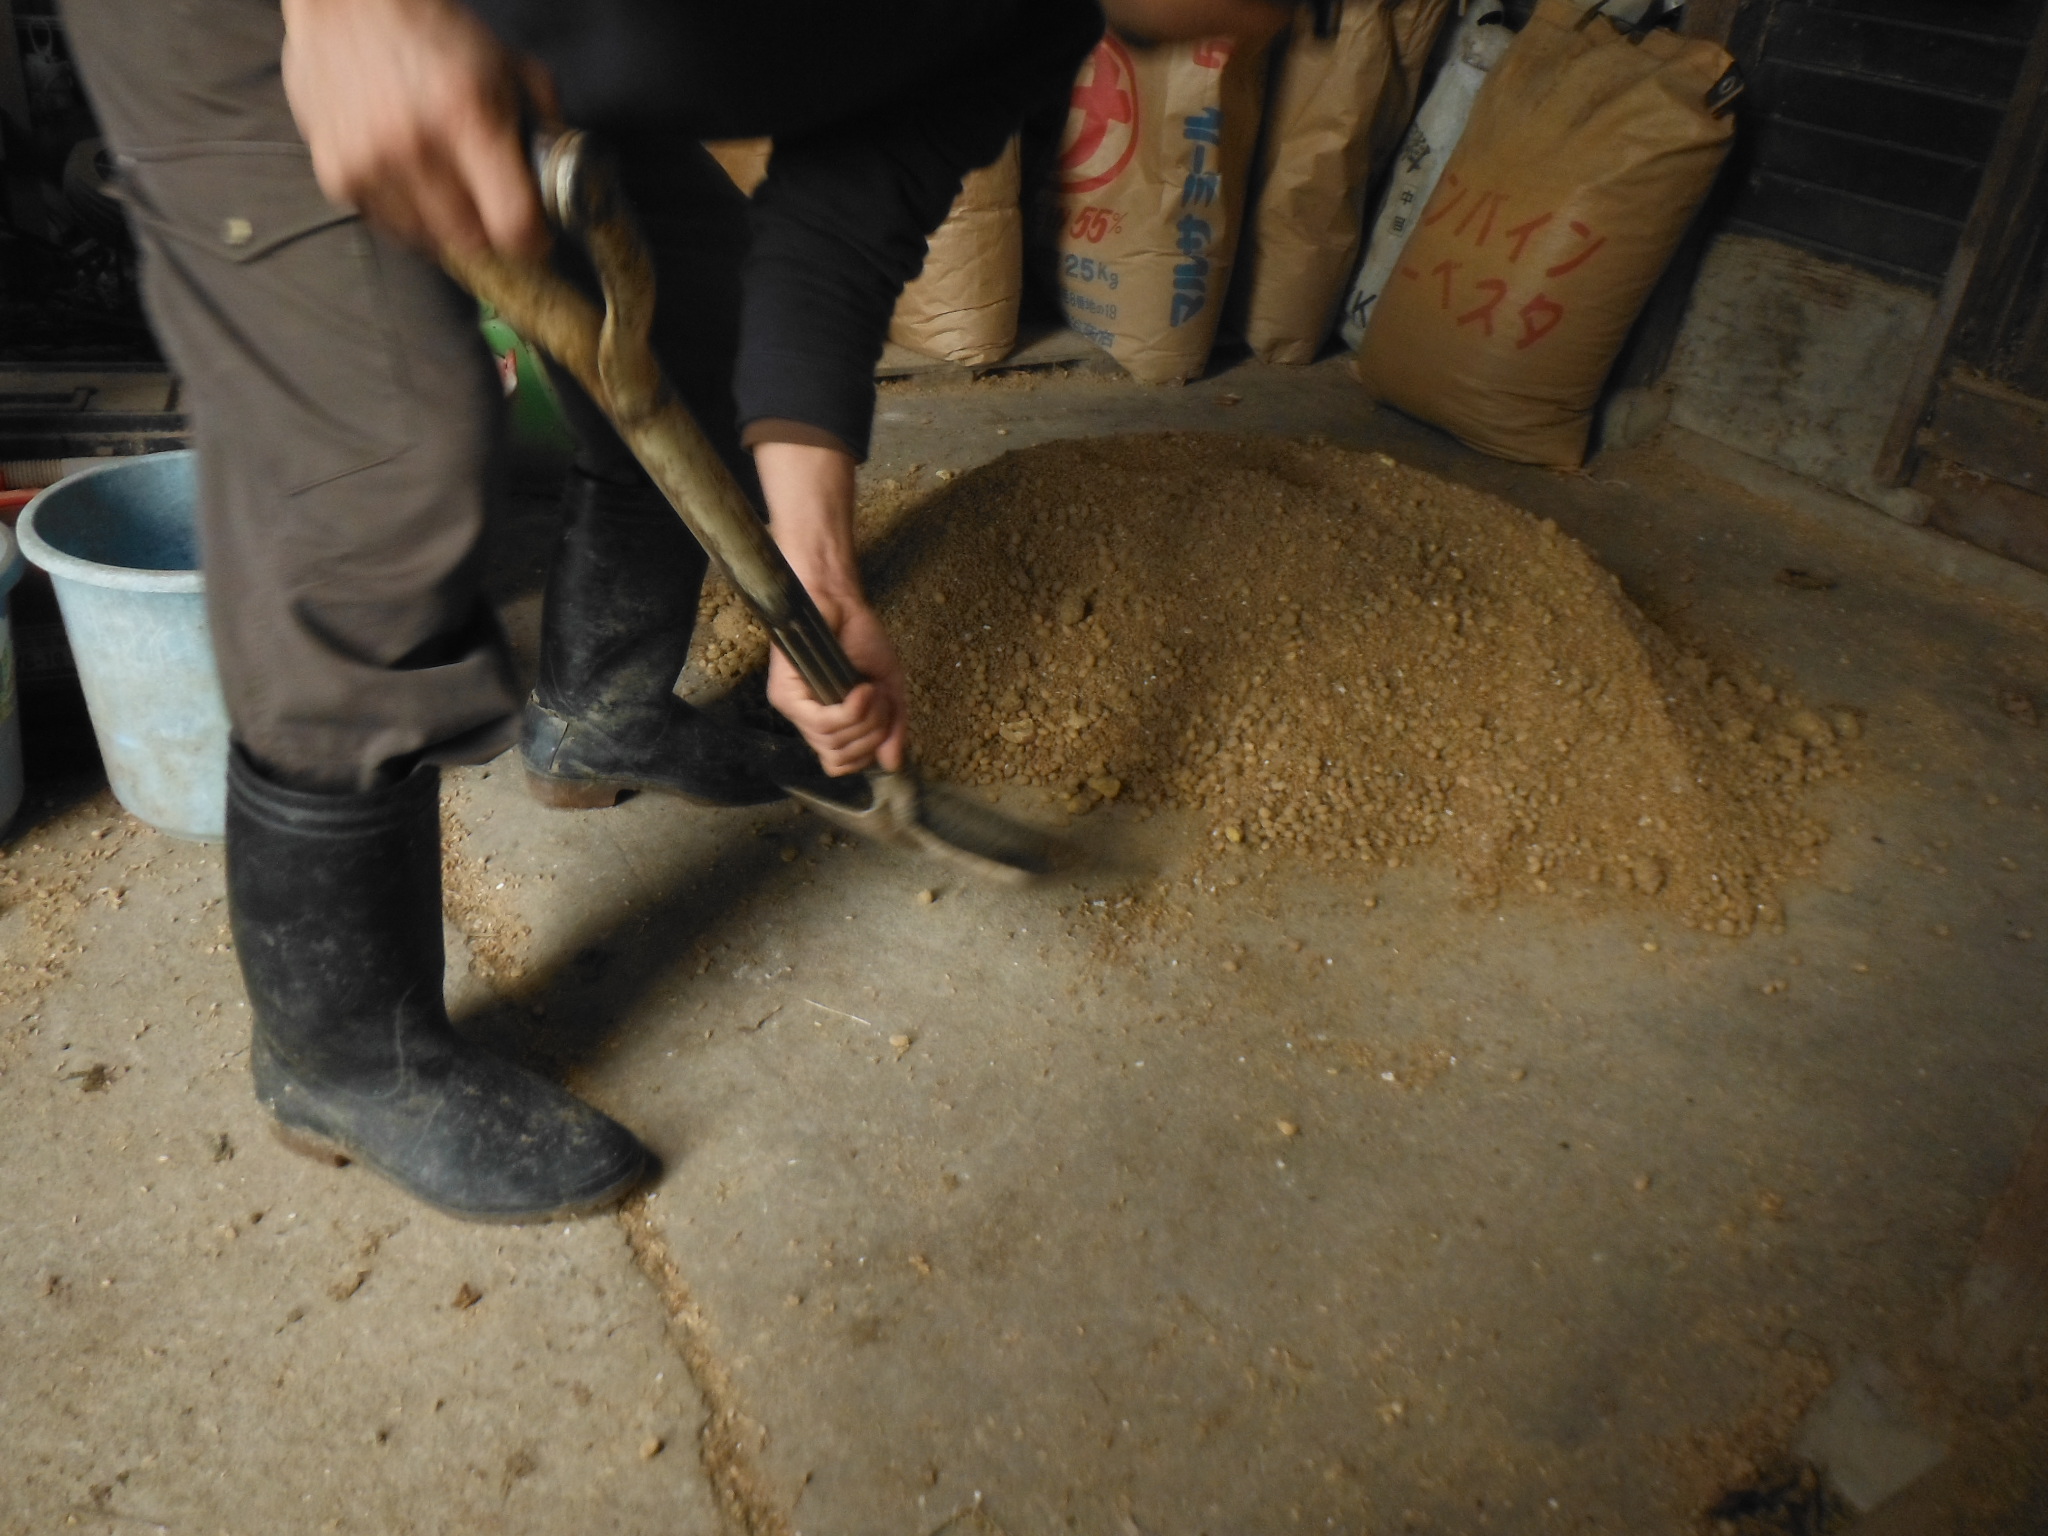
(610, 356)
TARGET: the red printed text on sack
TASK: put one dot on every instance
(1502, 298)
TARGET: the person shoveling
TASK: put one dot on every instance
(610, 356)
(296, 173)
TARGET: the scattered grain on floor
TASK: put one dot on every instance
(482, 902)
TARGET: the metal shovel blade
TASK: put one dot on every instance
(938, 821)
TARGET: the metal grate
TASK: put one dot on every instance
(1870, 122)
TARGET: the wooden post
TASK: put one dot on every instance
(2015, 160)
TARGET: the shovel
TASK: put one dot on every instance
(609, 355)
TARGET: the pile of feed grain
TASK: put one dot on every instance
(1331, 656)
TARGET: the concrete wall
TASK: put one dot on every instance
(1798, 361)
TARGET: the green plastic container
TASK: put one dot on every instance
(537, 425)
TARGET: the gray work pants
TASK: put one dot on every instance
(343, 403)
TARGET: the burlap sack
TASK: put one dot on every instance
(1152, 172)
(962, 308)
(1337, 108)
(1585, 157)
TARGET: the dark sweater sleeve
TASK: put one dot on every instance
(840, 225)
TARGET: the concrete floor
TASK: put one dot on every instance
(979, 1214)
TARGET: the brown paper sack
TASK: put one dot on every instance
(1416, 26)
(1152, 186)
(1585, 158)
(1337, 111)
(963, 306)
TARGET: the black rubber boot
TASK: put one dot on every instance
(335, 901)
(615, 631)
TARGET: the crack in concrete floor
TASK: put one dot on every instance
(744, 1499)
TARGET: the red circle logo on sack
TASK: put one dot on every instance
(1102, 120)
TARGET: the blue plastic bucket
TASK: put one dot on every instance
(121, 546)
(10, 713)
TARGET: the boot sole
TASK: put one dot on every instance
(306, 1144)
(598, 794)
(331, 1153)
(574, 794)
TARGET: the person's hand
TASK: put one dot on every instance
(871, 723)
(810, 514)
(411, 110)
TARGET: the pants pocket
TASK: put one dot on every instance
(272, 302)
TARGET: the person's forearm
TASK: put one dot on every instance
(810, 494)
(810, 513)
(840, 225)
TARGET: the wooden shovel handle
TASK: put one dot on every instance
(609, 355)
